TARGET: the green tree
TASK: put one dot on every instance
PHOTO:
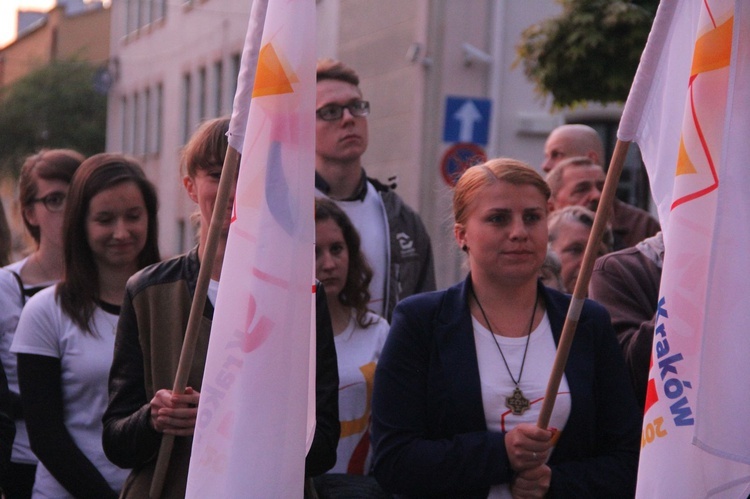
(590, 52)
(53, 106)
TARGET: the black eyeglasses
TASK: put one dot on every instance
(333, 112)
(54, 201)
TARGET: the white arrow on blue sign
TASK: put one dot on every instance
(467, 119)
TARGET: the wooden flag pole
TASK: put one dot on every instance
(581, 289)
(242, 98)
(226, 184)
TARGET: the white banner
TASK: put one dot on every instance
(252, 425)
(689, 112)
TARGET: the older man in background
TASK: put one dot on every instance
(569, 230)
(567, 141)
(578, 181)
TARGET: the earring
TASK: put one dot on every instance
(465, 248)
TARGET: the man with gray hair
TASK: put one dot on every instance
(569, 230)
(578, 181)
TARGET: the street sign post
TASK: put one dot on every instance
(467, 119)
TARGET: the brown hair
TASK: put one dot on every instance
(47, 164)
(477, 177)
(331, 69)
(78, 291)
(207, 146)
(355, 292)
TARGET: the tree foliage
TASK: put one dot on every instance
(53, 106)
(590, 52)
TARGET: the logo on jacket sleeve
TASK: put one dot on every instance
(406, 243)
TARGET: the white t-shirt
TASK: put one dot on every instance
(358, 351)
(213, 291)
(497, 384)
(85, 362)
(12, 304)
(369, 218)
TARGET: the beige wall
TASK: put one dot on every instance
(374, 40)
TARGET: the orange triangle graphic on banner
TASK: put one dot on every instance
(271, 77)
(714, 49)
(684, 165)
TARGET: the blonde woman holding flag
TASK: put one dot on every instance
(462, 376)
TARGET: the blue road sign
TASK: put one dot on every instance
(467, 119)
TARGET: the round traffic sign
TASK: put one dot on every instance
(458, 158)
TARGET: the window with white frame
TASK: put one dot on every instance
(125, 138)
(218, 103)
(161, 9)
(148, 124)
(131, 16)
(142, 13)
(202, 93)
(235, 71)
(186, 106)
(135, 133)
(158, 118)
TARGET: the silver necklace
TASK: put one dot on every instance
(517, 403)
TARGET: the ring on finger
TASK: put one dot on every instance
(535, 456)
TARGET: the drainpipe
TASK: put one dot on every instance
(497, 41)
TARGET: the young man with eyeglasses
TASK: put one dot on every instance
(394, 238)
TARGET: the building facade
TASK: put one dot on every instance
(174, 64)
(420, 61)
(58, 35)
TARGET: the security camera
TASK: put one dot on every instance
(473, 54)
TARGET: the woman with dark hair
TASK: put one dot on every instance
(65, 336)
(341, 267)
(142, 406)
(359, 336)
(463, 374)
(43, 187)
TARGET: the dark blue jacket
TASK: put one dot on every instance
(429, 433)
